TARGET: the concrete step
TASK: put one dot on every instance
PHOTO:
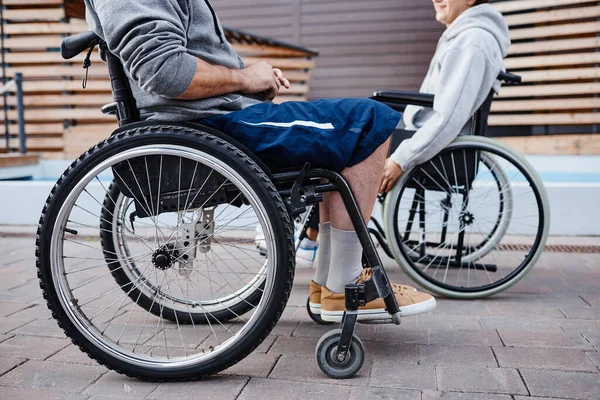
(18, 166)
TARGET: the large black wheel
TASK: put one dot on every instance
(187, 253)
(469, 223)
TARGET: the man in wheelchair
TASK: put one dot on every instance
(181, 68)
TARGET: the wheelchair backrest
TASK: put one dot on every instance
(480, 119)
(124, 106)
(126, 109)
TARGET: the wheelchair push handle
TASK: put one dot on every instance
(74, 45)
(510, 78)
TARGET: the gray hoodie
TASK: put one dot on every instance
(463, 70)
(158, 42)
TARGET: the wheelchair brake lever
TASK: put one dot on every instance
(296, 203)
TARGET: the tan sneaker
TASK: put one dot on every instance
(314, 293)
(314, 298)
(410, 302)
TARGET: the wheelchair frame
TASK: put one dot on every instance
(299, 189)
(479, 124)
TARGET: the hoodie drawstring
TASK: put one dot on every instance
(215, 21)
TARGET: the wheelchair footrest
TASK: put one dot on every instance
(452, 263)
(377, 321)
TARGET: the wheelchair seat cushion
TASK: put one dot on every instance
(331, 133)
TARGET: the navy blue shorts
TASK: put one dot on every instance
(330, 133)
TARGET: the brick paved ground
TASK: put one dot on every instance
(541, 339)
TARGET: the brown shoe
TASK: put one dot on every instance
(314, 293)
(410, 302)
(314, 298)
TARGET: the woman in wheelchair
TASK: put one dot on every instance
(145, 247)
(463, 70)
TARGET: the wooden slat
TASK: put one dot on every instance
(60, 100)
(75, 8)
(32, 2)
(58, 86)
(282, 99)
(297, 76)
(560, 74)
(79, 138)
(29, 43)
(523, 5)
(18, 160)
(39, 144)
(38, 14)
(42, 28)
(294, 89)
(545, 119)
(60, 114)
(552, 61)
(283, 63)
(42, 58)
(574, 144)
(266, 51)
(555, 30)
(52, 128)
(555, 45)
(97, 70)
(542, 105)
(539, 17)
(550, 90)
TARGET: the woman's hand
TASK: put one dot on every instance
(391, 173)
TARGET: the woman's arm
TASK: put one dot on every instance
(465, 74)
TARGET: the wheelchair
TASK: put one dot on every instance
(145, 247)
(469, 223)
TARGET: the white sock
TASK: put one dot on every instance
(346, 260)
(323, 253)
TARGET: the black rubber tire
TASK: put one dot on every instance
(315, 317)
(334, 369)
(149, 304)
(254, 177)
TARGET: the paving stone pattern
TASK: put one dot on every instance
(540, 339)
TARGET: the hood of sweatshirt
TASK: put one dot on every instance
(484, 17)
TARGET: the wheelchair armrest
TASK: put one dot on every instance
(403, 98)
(109, 109)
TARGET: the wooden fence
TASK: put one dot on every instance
(364, 45)
(555, 48)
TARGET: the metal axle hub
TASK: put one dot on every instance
(164, 257)
(467, 218)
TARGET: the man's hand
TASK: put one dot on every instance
(264, 79)
(282, 80)
(391, 173)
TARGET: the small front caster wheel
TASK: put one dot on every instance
(327, 357)
(316, 317)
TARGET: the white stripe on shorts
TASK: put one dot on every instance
(309, 124)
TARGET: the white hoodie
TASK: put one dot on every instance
(463, 70)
